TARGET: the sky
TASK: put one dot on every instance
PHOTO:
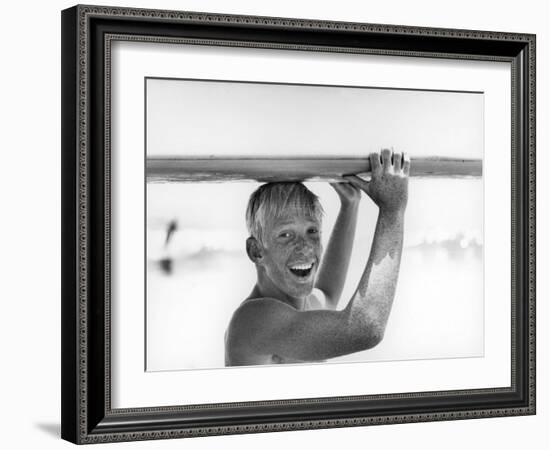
(192, 118)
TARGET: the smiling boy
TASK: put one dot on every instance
(291, 314)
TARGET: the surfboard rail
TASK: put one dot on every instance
(288, 168)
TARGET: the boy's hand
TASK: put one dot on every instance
(349, 194)
(388, 187)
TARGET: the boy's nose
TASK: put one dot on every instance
(303, 246)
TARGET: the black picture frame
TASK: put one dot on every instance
(87, 416)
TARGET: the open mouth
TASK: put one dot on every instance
(301, 270)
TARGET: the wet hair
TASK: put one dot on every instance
(272, 200)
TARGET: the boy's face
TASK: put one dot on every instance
(292, 252)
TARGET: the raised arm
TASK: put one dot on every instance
(334, 268)
(371, 304)
(268, 326)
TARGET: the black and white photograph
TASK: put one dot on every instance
(275, 224)
(311, 224)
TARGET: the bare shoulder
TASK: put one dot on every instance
(255, 317)
(265, 310)
(257, 310)
(249, 325)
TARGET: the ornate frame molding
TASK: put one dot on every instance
(80, 418)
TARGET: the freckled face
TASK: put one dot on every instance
(292, 253)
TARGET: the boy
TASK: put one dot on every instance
(290, 315)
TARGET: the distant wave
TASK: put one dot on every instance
(195, 244)
(456, 248)
(461, 241)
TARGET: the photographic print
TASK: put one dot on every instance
(274, 224)
(311, 224)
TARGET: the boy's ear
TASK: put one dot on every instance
(253, 249)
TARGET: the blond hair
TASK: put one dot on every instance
(272, 200)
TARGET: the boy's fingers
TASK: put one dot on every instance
(386, 158)
(375, 162)
(339, 186)
(357, 182)
(397, 161)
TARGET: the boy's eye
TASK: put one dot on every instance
(284, 234)
(313, 231)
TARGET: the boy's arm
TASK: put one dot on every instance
(269, 326)
(388, 188)
(334, 268)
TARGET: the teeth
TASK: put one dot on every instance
(302, 266)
